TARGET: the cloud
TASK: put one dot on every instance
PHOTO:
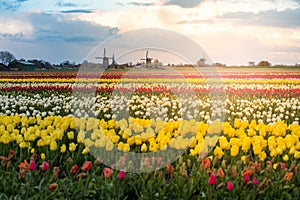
(11, 35)
(52, 27)
(54, 37)
(134, 3)
(11, 5)
(65, 4)
(44, 27)
(285, 19)
(77, 11)
(184, 3)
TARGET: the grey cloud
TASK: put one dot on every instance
(134, 3)
(76, 11)
(65, 4)
(73, 31)
(184, 3)
(9, 35)
(120, 4)
(55, 38)
(49, 28)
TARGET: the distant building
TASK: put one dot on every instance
(201, 62)
(3, 67)
(251, 63)
(219, 65)
(22, 66)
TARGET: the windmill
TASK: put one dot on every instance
(202, 61)
(147, 59)
(105, 59)
(114, 64)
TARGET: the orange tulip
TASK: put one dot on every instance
(220, 173)
(87, 166)
(205, 163)
(74, 169)
(288, 176)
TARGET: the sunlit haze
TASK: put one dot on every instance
(231, 32)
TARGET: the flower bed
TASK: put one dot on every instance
(56, 144)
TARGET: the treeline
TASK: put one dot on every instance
(8, 61)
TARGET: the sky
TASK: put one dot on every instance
(232, 32)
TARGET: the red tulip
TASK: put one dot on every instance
(52, 186)
(170, 169)
(229, 185)
(32, 166)
(55, 172)
(212, 179)
(107, 172)
(74, 169)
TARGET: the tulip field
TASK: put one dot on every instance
(142, 135)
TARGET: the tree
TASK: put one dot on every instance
(264, 63)
(6, 57)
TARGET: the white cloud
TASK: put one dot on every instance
(10, 27)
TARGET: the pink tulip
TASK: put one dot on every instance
(121, 175)
(45, 166)
(246, 177)
(229, 186)
(212, 179)
(254, 181)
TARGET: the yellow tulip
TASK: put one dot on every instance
(246, 143)
(144, 147)
(63, 148)
(72, 147)
(70, 135)
(85, 150)
(257, 148)
(120, 145)
(285, 157)
(234, 151)
(115, 139)
(32, 150)
(23, 145)
(218, 152)
(262, 156)
(6, 138)
(53, 145)
(297, 154)
(224, 143)
(126, 147)
(109, 146)
(19, 139)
